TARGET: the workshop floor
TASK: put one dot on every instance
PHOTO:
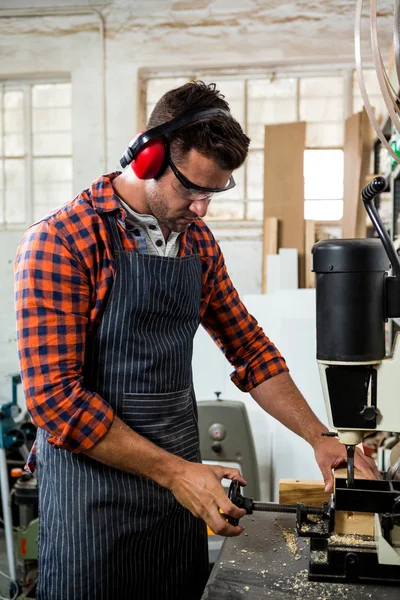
(4, 583)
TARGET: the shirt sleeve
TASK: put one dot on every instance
(52, 300)
(238, 334)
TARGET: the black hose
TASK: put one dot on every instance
(376, 186)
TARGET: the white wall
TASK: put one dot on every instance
(288, 318)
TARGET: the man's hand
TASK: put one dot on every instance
(198, 488)
(330, 453)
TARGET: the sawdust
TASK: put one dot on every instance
(291, 542)
(312, 589)
(365, 541)
(319, 556)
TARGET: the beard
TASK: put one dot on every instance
(159, 208)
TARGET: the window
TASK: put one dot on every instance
(323, 185)
(256, 101)
(35, 150)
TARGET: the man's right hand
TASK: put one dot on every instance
(198, 488)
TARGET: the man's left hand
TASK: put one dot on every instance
(330, 453)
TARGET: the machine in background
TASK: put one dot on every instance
(226, 439)
(21, 547)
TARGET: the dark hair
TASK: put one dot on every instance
(220, 137)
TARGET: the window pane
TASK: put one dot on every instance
(321, 87)
(323, 210)
(269, 102)
(374, 93)
(55, 144)
(51, 94)
(265, 88)
(234, 95)
(323, 174)
(52, 178)
(13, 100)
(320, 135)
(321, 109)
(158, 87)
(225, 210)
(255, 175)
(51, 119)
(14, 171)
(255, 210)
(13, 114)
(236, 193)
(51, 123)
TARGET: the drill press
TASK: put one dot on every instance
(355, 297)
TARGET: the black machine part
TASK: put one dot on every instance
(350, 285)
(305, 528)
(354, 294)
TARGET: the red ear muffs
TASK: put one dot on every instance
(150, 159)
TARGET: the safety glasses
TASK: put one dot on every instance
(193, 187)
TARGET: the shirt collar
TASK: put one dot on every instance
(102, 193)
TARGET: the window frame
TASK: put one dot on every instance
(25, 84)
(345, 70)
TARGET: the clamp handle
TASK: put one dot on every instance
(235, 496)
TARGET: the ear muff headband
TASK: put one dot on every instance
(157, 133)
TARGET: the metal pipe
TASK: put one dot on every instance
(285, 508)
(7, 518)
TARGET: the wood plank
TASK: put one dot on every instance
(284, 185)
(312, 493)
(357, 153)
(270, 246)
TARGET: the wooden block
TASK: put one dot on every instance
(354, 523)
(270, 246)
(292, 491)
(309, 492)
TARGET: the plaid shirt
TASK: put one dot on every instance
(64, 272)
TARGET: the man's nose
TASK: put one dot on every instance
(200, 207)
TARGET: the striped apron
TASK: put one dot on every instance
(105, 534)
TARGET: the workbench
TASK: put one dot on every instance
(268, 560)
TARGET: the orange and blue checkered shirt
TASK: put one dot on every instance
(63, 276)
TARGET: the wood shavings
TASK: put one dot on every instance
(352, 540)
(291, 542)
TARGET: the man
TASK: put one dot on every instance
(110, 290)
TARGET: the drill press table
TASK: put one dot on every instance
(264, 563)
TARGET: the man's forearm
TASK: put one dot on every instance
(123, 448)
(280, 397)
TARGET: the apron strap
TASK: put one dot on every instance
(111, 221)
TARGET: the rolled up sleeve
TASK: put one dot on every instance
(52, 301)
(238, 334)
